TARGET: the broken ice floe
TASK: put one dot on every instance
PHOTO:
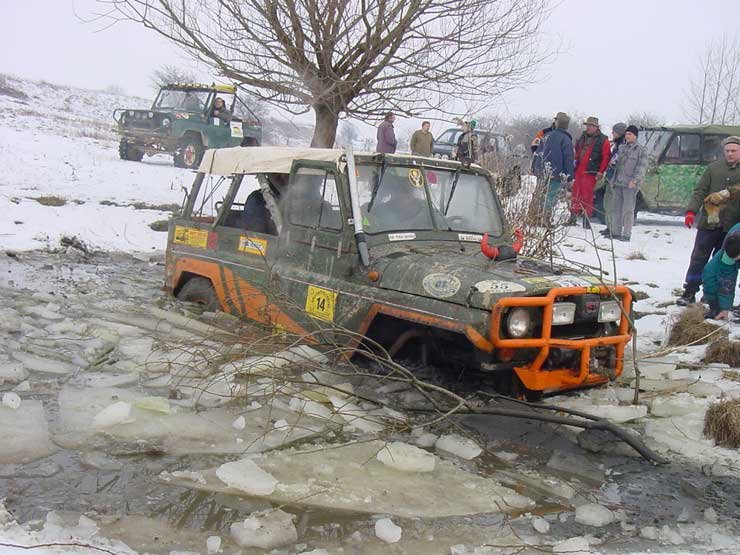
(349, 478)
(457, 445)
(265, 529)
(24, 435)
(111, 418)
(387, 530)
(407, 458)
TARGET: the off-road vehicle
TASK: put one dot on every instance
(678, 157)
(411, 252)
(182, 122)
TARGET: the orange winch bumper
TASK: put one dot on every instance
(533, 376)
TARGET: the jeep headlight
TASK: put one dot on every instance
(563, 313)
(609, 311)
(150, 115)
(166, 122)
(518, 322)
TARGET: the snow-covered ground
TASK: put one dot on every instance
(58, 142)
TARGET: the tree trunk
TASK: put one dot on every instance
(325, 130)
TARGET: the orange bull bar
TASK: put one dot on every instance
(533, 376)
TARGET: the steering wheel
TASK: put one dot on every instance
(454, 219)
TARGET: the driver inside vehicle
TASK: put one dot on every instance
(400, 203)
(220, 111)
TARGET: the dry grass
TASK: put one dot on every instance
(722, 423)
(725, 351)
(691, 327)
(51, 200)
(732, 375)
(636, 255)
(160, 225)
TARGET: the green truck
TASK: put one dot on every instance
(410, 252)
(182, 122)
(678, 157)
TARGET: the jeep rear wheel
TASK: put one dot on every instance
(199, 290)
(189, 152)
(129, 152)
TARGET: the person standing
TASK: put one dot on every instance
(467, 144)
(632, 161)
(715, 182)
(386, 135)
(553, 162)
(592, 158)
(422, 140)
(618, 131)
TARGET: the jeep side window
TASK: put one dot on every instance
(313, 199)
(248, 210)
(683, 149)
(712, 148)
(449, 136)
(210, 197)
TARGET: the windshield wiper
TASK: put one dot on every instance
(376, 186)
(452, 191)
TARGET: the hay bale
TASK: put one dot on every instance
(722, 423)
(725, 351)
(691, 326)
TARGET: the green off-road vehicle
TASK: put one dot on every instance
(184, 121)
(678, 157)
(412, 252)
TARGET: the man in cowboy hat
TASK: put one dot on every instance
(592, 157)
(716, 187)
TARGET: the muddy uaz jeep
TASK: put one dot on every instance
(412, 252)
(184, 121)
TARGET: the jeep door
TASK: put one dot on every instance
(245, 249)
(317, 254)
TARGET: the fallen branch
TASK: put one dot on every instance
(590, 422)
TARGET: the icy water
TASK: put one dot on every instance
(107, 367)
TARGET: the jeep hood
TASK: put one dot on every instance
(471, 280)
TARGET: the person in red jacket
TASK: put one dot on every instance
(593, 151)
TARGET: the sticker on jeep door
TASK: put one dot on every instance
(191, 237)
(320, 303)
(236, 129)
(253, 245)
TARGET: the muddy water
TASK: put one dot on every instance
(118, 484)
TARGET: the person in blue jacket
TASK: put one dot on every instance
(720, 275)
(553, 160)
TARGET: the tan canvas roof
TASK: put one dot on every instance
(276, 159)
(262, 159)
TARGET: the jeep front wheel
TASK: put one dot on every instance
(199, 290)
(129, 152)
(188, 153)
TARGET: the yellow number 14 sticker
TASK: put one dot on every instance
(320, 303)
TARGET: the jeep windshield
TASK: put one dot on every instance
(403, 198)
(189, 101)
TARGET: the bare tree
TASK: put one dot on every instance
(714, 93)
(645, 119)
(357, 58)
(348, 133)
(168, 74)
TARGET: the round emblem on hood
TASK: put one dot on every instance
(441, 286)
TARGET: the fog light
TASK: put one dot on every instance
(609, 311)
(563, 313)
(517, 323)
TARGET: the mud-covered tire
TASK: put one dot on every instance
(189, 152)
(129, 152)
(199, 290)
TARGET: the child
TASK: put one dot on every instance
(720, 274)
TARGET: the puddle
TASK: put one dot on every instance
(122, 420)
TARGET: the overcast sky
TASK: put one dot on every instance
(620, 56)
